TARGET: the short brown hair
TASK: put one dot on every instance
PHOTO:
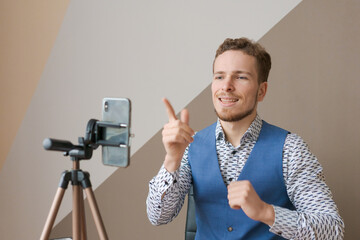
(251, 48)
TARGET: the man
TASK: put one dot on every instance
(251, 180)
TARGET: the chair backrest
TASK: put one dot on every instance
(190, 227)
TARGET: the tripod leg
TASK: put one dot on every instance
(52, 214)
(76, 213)
(83, 220)
(96, 214)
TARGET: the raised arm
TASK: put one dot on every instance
(167, 190)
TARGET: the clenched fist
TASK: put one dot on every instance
(241, 194)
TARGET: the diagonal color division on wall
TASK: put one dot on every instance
(141, 50)
(312, 91)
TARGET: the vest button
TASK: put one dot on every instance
(230, 229)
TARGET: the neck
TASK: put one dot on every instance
(234, 131)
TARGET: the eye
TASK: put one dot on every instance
(218, 77)
(241, 77)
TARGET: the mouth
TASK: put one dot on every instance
(227, 101)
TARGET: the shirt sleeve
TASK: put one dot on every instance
(167, 192)
(316, 215)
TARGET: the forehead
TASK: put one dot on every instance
(235, 60)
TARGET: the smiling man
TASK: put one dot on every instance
(252, 180)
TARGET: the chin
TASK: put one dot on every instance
(234, 117)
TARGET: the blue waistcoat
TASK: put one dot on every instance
(214, 217)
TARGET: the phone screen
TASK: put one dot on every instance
(116, 111)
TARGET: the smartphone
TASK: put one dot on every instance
(115, 126)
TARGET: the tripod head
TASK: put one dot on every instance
(112, 133)
(95, 136)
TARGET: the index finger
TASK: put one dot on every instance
(170, 110)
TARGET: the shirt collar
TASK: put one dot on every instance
(252, 133)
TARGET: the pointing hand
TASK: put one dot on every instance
(176, 136)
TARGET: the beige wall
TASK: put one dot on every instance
(28, 30)
(98, 53)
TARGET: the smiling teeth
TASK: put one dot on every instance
(228, 100)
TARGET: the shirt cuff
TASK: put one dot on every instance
(285, 224)
(165, 180)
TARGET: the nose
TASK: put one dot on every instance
(228, 85)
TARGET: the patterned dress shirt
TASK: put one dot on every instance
(316, 215)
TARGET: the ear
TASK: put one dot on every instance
(262, 91)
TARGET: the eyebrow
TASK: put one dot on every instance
(237, 72)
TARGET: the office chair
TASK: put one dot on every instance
(190, 227)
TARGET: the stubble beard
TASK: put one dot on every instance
(229, 117)
(234, 118)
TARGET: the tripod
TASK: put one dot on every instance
(96, 135)
(79, 179)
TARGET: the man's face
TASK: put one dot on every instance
(235, 88)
